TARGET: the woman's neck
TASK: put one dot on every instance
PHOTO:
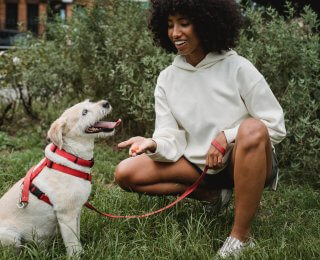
(195, 58)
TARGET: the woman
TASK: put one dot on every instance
(212, 108)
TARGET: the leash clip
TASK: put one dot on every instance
(22, 205)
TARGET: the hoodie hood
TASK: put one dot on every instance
(210, 59)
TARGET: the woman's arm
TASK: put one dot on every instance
(170, 139)
(260, 102)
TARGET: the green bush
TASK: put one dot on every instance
(106, 52)
(103, 52)
(287, 52)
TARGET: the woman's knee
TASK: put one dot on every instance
(124, 174)
(252, 133)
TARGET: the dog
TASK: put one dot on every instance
(73, 133)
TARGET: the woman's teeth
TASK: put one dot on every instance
(179, 42)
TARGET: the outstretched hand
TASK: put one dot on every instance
(138, 145)
(214, 157)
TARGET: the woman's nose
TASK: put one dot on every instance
(176, 33)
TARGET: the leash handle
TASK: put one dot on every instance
(181, 197)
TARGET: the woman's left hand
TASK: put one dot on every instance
(214, 157)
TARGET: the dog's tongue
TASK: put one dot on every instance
(109, 125)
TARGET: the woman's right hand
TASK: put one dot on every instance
(138, 145)
(215, 156)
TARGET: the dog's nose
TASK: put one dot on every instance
(106, 104)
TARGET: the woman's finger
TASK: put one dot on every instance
(219, 161)
(133, 149)
(214, 162)
(124, 144)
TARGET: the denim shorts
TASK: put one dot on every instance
(224, 178)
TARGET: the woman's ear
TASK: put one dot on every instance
(55, 132)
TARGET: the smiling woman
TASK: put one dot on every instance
(213, 109)
(182, 34)
(217, 23)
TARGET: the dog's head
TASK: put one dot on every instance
(83, 120)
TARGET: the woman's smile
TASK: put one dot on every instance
(182, 34)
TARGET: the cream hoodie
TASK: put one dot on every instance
(194, 104)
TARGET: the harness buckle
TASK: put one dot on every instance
(49, 163)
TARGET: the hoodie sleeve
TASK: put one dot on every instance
(260, 102)
(171, 141)
(231, 133)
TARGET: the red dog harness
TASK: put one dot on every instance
(34, 172)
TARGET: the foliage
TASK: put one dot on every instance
(95, 55)
(280, 5)
(106, 52)
(287, 52)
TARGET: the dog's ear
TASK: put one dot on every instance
(55, 132)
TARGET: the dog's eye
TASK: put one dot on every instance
(84, 112)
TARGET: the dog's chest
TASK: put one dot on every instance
(63, 189)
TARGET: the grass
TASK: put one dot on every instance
(286, 226)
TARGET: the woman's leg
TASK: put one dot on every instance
(143, 175)
(251, 164)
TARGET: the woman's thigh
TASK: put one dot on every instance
(141, 170)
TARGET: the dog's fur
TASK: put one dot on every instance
(67, 193)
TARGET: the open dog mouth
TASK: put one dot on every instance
(102, 126)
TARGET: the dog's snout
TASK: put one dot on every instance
(106, 104)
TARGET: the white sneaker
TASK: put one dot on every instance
(234, 247)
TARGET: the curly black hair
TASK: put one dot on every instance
(217, 22)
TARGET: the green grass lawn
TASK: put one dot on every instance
(286, 227)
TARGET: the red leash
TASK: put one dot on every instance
(34, 172)
(181, 197)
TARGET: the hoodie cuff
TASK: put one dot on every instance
(156, 155)
(231, 134)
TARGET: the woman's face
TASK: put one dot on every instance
(182, 34)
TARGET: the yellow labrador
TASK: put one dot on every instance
(74, 132)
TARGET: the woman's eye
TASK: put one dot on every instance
(84, 112)
(185, 23)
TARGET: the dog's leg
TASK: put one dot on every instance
(68, 223)
(9, 237)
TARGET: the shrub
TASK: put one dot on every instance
(94, 56)
(106, 52)
(287, 52)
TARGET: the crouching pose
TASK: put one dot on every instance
(212, 108)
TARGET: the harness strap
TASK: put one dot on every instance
(71, 157)
(31, 174)
(35, 171)
(73, 172)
